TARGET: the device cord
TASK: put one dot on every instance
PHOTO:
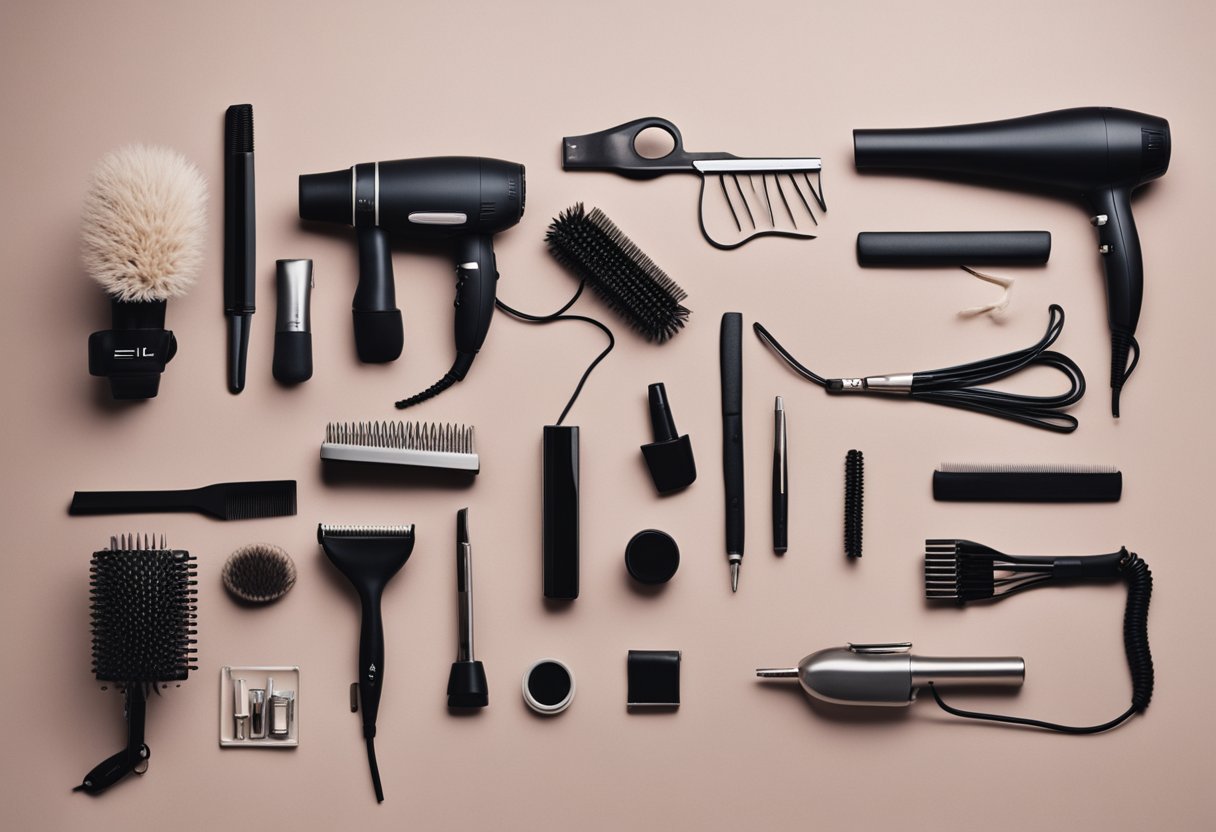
(560, 315)
(956, 386)
(1135, 643)
(371, 761)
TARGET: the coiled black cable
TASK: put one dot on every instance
(1135, 643)
(956, 386)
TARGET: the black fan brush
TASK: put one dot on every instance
(143, 611)
(225, 500)
(622, 275)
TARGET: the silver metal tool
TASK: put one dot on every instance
(257, 714)
(467, 687)
(890, 675)
(240, 708)
(781, 480)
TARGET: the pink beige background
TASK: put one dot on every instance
(333, 84)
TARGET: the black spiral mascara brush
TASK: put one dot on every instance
(854, 497)
(143, 612)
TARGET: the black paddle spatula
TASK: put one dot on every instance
(225, 500)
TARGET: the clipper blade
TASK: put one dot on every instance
(412, 444)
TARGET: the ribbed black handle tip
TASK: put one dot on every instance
(238, 128)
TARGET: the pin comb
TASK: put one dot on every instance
(412, 444)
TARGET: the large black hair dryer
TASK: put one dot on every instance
(462, 199)
(1101, 154)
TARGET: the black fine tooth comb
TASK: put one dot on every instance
(225, 500)
(764, 196)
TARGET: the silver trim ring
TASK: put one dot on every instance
(352, 195)
(377, 194)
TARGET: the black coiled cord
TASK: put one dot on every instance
(955, 386)
(1135, 642)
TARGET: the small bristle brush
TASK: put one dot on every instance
(411, 444)
(143, 601)
(259, 573)
(854, 502)
(622, 275)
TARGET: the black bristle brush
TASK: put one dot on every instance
(259, 573)
(622, 275)
(854, 500)
(143, 601)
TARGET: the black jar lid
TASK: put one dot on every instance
(652, 557)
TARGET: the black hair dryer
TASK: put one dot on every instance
(462, 199)
(1101, 154)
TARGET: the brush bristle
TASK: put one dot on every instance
(628, 281)
(249, 500)
(412, 436)
(954, 575)
(143, 611)
(854, 502)
(143, 224)
(259, 573)
(238, 123)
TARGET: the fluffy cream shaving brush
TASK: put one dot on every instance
(141, 238)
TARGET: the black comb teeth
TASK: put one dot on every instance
(621, 274)
(143, 601)
(250, 500)
(238, 124)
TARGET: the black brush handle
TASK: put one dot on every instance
(117, 766)
(731, 365)
(371, 662)
(128, 502)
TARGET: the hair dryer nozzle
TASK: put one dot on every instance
(328, 197)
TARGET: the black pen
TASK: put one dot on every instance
(731, 362)
(781, 481)
(240, 267)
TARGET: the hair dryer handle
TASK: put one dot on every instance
(476, 286)
(379, 336)
(371, 662)
(1119, 245)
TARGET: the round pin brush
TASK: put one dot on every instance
(143, 614)
(621, 274)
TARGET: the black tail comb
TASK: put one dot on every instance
(225, 500)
